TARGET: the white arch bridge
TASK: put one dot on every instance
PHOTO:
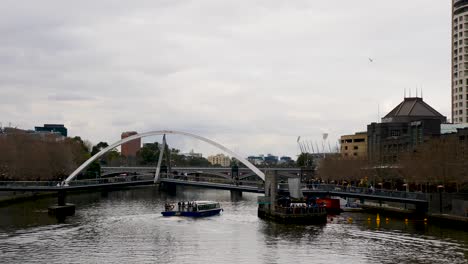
(75, 173)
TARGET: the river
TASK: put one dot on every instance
(126, 227)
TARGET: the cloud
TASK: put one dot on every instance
(252, 74)
(69, 97)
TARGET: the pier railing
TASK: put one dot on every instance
(366, 191)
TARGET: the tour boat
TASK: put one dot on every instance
(192, 209)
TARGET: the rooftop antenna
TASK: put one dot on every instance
(421, 92)
(409, 92)
(404, 94)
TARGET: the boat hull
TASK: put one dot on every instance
(305, 219)
(193, 214)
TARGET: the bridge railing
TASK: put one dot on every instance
(367, 191)
(108, 180)
(45, 184)
(192, 178)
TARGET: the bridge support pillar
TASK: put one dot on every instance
(236, 195)
(61, 198)
(62, 209)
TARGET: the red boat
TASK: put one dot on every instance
(331, 205)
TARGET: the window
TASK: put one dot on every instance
(355, 154)
(395, 133)
(346, 147)
(356, 147)
(359, 140)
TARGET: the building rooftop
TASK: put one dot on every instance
(452, 128)
(412, 108)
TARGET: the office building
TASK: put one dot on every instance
(130, 149)
(409, 124)
(354, 146)
(53, 128)
(220, 159)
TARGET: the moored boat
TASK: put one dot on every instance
(192, 209)
(332, 205)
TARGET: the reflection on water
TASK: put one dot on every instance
(126, 226)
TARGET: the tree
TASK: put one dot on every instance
(305, 160)
(100, 146)
(440, 161)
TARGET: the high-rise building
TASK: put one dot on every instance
(130, 148)
(459, 61)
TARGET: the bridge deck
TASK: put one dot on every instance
(244, 186)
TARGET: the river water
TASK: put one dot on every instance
(126, 227)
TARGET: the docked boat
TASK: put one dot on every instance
(192, 209)
(295, 213)
(332, 205)
(352, 207)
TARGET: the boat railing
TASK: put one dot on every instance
(300, 210)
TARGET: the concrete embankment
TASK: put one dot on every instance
(7, 198)
(446, 220)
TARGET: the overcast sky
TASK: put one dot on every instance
(251, 75)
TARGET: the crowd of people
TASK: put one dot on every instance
(182, 206)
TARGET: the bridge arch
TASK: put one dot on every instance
(162, 132)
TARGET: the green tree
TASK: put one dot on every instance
(305, 160)
(100, 146)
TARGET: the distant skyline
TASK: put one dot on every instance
(251, 75)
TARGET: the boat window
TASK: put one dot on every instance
(207, 206)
